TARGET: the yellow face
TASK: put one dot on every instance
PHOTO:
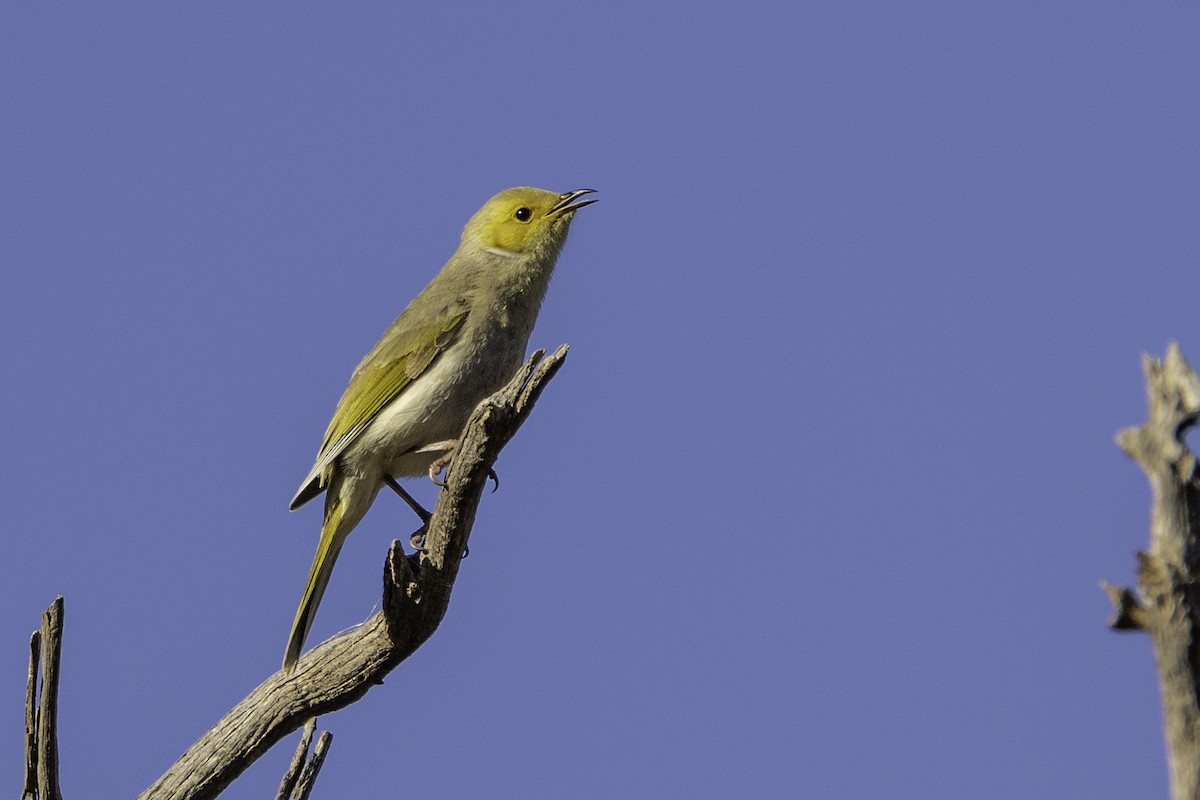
(517, 220)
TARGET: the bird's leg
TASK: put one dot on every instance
(417, 540)
(406, 497)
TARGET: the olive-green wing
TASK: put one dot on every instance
(400, 357)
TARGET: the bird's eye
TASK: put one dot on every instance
(523, 214)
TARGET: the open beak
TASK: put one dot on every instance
(566, 205)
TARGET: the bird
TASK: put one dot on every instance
(455, 344)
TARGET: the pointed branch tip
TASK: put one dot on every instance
(1128, 612)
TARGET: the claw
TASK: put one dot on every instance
(495, 479)
(417, 540)
(437, 467)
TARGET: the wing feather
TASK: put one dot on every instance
(400, 358)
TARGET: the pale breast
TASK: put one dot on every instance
(433, 408)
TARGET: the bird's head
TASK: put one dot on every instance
(524, 221)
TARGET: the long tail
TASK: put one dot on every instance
(328, 548)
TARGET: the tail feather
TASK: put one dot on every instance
(318, 578)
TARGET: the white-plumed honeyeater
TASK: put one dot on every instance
(458, 342)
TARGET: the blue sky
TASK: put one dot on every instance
(818, 505)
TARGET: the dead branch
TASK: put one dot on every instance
(416, 593)
(41, 708)
(1166, 602)
(302, 773)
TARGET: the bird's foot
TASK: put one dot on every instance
(442, 463)
(446, 449)
(417, 540)
(436, 468)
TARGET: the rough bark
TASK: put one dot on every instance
(41, 708)
(1166, 601)
(302, 773)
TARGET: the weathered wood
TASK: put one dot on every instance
(299, 759)
(41, 708)
(1166, 602)
(301, 775)
(312, 767)
(29, 790)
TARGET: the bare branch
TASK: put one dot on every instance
(308, 776)
(52, 626)
(29, 792)
(416, 593)
(41, 708)
(1166, 603)
(302, 772)
(298, 759)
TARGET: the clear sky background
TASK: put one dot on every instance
(817, 507)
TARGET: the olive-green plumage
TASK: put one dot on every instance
(456, 343)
